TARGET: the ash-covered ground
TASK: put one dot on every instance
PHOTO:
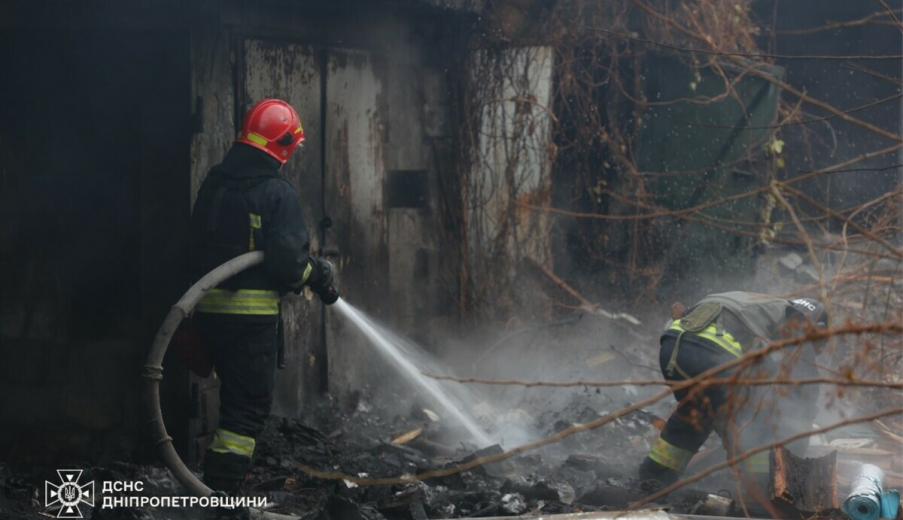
(588, 472)
(354, 434)
(593, 470)
(391, 430)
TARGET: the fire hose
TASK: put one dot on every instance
(153, 366)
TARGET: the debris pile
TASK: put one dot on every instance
(364, 445)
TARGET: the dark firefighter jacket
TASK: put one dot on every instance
(245, 205)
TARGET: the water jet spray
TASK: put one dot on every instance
(396, 357)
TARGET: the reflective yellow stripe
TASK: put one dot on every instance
(255, 220)
(225, 441)
(243, 301)
(255, 224)
(257, 139)
(307, 270)
(670, 456)
(722, 338)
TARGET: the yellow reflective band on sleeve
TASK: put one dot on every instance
(307, 270)
(722, 338)
(225, 441)
(670, 456)
(244, 301)
(257, 139)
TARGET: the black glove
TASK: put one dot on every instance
(321, 280)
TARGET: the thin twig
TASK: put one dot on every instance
(811, 335)
(755, 55)
(837, 168)
(659, 382)
(768, 447)
(776, 191)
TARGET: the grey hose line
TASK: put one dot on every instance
(153, 366)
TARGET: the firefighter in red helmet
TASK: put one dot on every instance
(244, 204)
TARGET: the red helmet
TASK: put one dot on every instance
(274, 127)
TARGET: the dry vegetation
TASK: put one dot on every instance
(589, 131)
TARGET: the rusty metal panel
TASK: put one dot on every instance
(417, 124)
(803, 484)
(292, 72)
(413, 271)
(355, 172)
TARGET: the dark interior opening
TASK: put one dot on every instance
(94, 195)
(408, 189)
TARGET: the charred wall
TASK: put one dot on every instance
(118, 113)
(371, 83)
(93, 155)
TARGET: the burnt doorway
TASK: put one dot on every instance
(275, 69)
(339, 174)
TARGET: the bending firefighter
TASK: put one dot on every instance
(245, 205)
(717, 330)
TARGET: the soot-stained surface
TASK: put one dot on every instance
(589, 472)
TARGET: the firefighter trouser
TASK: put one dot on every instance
(244, 352)
(715, 408)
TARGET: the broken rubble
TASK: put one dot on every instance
(514, 503)
(594, 472)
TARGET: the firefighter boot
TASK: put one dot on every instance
(654, 476)
(225, 472)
